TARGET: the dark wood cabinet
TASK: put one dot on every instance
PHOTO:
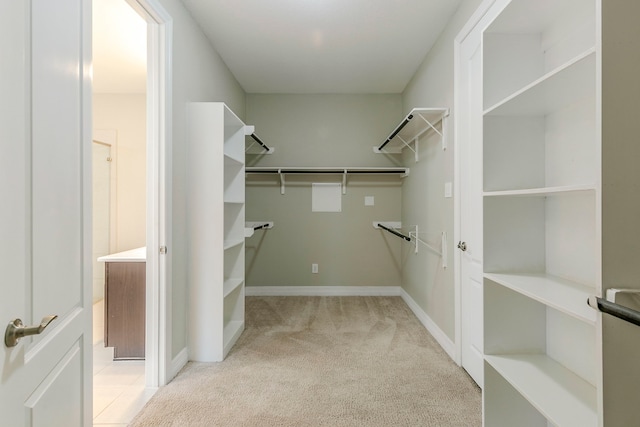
(124, 323)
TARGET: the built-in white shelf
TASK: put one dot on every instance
(232, 331)
(537, 192)
(216, 211)
(563, 295)
(228, 244)
(561, 396)
(232, 284)
(343, 171)
(417, 123)
(552, 92)
(232, 161)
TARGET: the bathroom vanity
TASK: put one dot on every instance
(124, 303)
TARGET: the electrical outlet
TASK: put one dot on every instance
(314, 268)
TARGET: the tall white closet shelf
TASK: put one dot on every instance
(216, 229)
(550, 359)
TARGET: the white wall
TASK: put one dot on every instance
(423, 192)
(198, 74)
(126, 114)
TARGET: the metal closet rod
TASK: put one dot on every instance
(395, 132)
(258, 227)
(327, 171)
(392, 231)
(262, 144)
(616, 310)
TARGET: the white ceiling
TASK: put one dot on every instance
(119, 48)
(285, 46)
(322, 46)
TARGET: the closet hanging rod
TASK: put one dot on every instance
(394, 232)
(616, 310)
(317, 171)
(259, 227)
(396, 131)
(259, 141)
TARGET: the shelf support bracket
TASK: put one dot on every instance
(344, 182)
(281, 174)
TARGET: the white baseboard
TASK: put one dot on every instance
(290, 291)
(437, 333)
(178, 363)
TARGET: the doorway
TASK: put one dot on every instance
(120, 125)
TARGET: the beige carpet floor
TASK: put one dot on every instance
(322, 361)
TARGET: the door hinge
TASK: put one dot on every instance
(163, 250)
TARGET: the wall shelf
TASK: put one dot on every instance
(250, 227)
(255, 139)
(560, 294)
(417, 123)
(344, 171)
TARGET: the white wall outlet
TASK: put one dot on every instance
(314, 268)
(369, 200)
(448, 189)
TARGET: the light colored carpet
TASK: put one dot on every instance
(322, 361)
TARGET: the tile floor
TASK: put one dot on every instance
(118, 386)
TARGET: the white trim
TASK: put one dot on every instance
(475, 19)
(158, 311)
(178, 363)
(438, 334)
(322, 291)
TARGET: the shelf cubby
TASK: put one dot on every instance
(530, 39)
(551, 234)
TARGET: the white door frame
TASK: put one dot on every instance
(458, 106)
(159, 113)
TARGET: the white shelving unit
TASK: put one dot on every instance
(555, 208)
(419, 122)
(216, 229)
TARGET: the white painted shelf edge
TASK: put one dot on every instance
(534, 99)
(558, 394)
(543, 191)
(228, 244)
(563, 295)
(232, 284)
(232, 161)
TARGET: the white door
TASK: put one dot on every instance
(45, 215)
(470, 175)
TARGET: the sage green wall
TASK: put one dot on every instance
(424, 279)
(323, 130)
(198, 74)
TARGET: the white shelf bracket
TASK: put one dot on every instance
(344, 182)
(443, 244)
(281, 181)
(444, 130)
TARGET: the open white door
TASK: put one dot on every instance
(45, 158)
(470, 155)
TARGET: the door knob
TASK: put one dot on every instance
(462, 246)
(16, 330)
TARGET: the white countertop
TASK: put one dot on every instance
(132, 255)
